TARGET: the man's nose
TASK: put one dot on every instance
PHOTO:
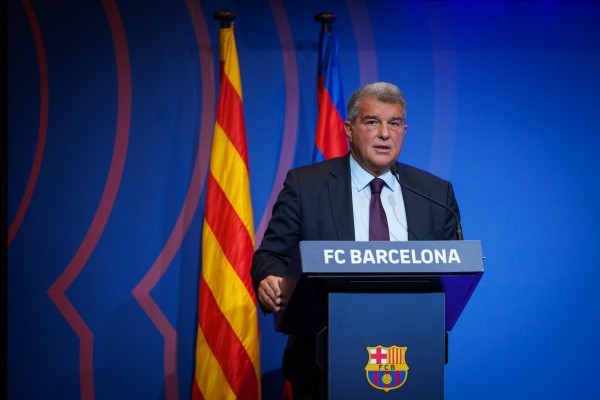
(384, 130)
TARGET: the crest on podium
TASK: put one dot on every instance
(386, 367)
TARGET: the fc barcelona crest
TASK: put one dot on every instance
(386, 368)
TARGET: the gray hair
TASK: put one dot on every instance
(380, 91)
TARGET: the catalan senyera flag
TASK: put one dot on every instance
(330, 138)
(227, 344)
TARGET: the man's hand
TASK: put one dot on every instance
(269, 292)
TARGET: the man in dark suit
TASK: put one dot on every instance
(331, 201)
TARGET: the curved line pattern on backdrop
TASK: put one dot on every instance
(142, 290)
(290, 124)
(43, 124)
(365, 44)
(368, 71)
(367, 60)
(58, 289)
(445, 94)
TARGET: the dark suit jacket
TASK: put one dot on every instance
(316, 204)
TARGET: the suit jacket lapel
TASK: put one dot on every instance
(340, 197)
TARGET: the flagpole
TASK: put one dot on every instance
(325, 18)
(226, 17)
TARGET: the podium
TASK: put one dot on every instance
(380, 311)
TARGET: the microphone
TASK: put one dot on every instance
(396, 173)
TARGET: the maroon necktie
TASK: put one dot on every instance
(378, 226)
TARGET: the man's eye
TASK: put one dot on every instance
(372, 122)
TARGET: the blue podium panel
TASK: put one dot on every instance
(386, 345)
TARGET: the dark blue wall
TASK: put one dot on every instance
(111, 105)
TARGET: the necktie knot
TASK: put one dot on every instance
(376, 185)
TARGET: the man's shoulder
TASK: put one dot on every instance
(335, 166)
(409, 173)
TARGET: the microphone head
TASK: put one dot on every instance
(394, 169)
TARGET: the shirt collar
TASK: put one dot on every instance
(361, 177)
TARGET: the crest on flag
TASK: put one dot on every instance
(386, 367)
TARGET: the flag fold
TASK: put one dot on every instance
(330, 137)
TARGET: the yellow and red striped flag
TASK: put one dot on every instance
(227, 344)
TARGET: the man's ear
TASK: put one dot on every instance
(348, 129)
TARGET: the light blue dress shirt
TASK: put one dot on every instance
(391, 197)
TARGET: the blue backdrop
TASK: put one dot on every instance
(111, 107)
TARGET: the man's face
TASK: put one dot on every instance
(376, 135)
